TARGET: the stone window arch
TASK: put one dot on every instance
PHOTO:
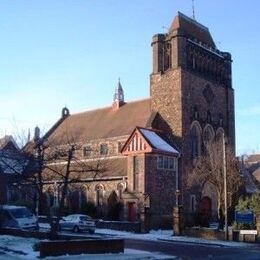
(195, 132)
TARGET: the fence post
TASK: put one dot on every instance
(177, 220)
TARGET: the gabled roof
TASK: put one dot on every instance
(8, 142)
(12, 162)
(143, 140)
(256, 175)
(252, 158)
(157, 142)
(191, 28)
(102, 123)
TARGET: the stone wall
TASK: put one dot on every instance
(175, 93)
(160, 185)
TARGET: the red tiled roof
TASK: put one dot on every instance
(253, 158)
(192, 28)
(102, 123)
(256, 174)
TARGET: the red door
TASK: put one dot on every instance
(205, 206)
(132, 211)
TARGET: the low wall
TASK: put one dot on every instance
(24, 233)
(75, 247)
(39, 234)
(120, 225)
(205, 233)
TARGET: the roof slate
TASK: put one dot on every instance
(108, 167)
(102, 123)
(192, 28)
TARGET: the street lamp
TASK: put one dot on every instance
(225, 184)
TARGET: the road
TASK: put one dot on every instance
(186, 250)
(194, 251)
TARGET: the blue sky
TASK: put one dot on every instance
(71, 52)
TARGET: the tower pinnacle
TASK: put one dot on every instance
(119, 93)
(118, 96)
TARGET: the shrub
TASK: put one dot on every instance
(89, 208)
(249, 203)
(36, 246)
(242, 226)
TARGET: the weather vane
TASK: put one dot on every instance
(193, 10)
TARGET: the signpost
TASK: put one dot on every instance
(244, 217)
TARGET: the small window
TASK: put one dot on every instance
(165, 162)
(136, 164)
(160, 162)
(103, 149)
(87, 151)
(119, 146)
(171, 163)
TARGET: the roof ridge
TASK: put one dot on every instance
(193, 21)
(108, 107)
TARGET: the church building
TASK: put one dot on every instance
(149, 145)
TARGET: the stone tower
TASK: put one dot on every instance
(191, 88)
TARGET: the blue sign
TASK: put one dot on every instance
(244, 217)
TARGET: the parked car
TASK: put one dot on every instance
(17, 217)
(77, 223)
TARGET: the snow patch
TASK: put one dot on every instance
(157, 141)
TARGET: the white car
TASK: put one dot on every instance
(77, 223)
(17, 217)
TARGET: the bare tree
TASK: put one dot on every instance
(208, 168)
(63, 165)
(14, 162)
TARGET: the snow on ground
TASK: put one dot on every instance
(164, 235)
(22, 248)
(167, 235)
(19, 247)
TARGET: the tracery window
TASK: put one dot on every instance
(195, 140)
(208, 136)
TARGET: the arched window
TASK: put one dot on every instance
(208, 135)
(195, 140)
(219, 134)
(120, 188)
(99, 194)
(167, 56)
(83, 195)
